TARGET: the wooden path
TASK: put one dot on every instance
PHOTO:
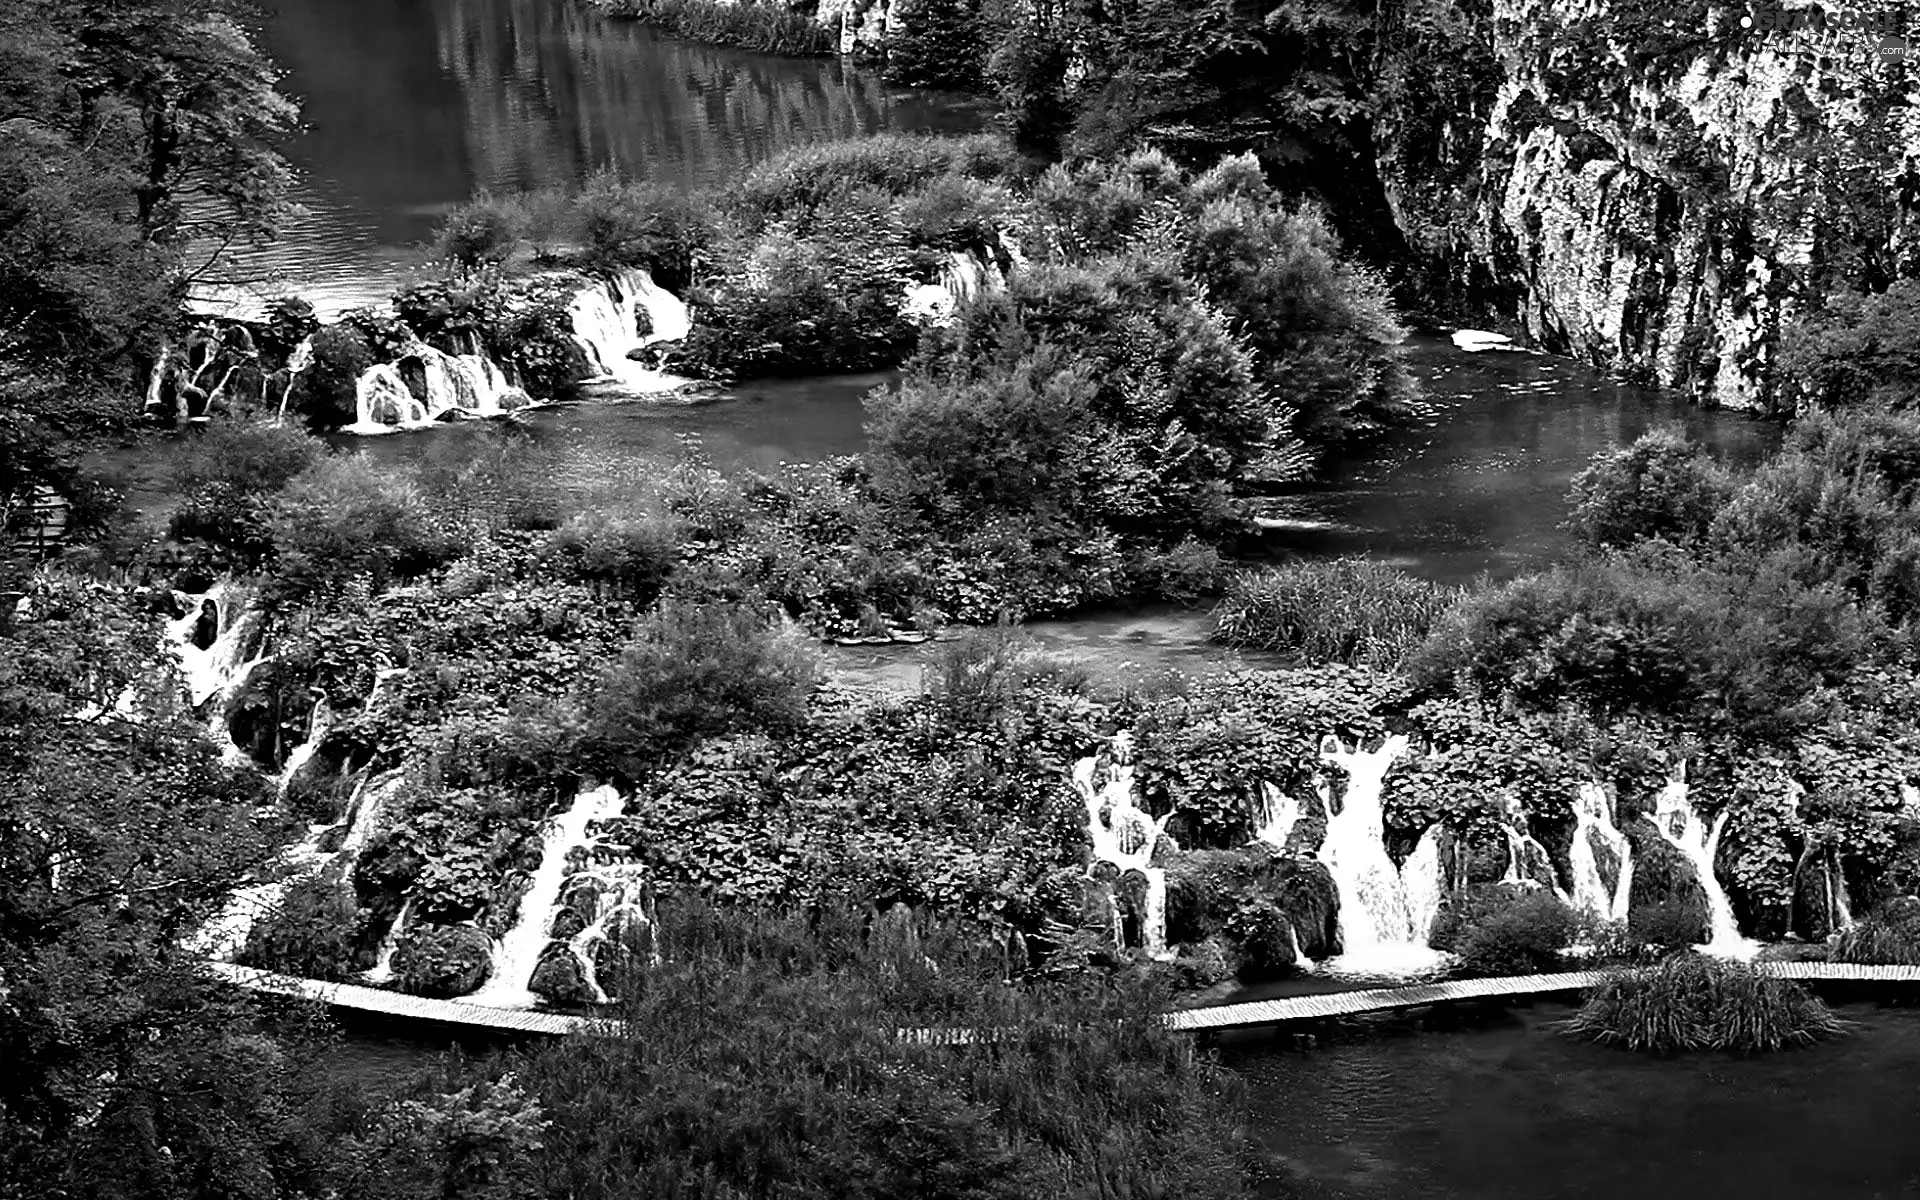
(1245, 1015)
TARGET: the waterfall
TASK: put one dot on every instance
(1125, 835)
(382, 970)
(519, 952)
(450, 385)
(1377, 927)
(1528, 863)
(226, 932)
(962, 277)
(621, 901)
(299, 361)
(1420, 877)
(217, 648)
(1278, 814)
(606, 323)
(1680, 825)
(319, 724)
(1593, 821)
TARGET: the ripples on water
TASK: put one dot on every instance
(1514, 1112)
(413, 106)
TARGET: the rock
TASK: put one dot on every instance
(559, 978)
(443, 961)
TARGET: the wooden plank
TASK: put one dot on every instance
(1241, 1015)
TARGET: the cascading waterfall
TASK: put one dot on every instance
(962, 277)
(223, 935)
(620, 901)
(1378, 927)
(1681, 826)
(1125, 835)
(519, 952)
(1279, 813)
(319, 724)
(1528, 863)
(297, 363)
(453, 385)
(606, 323)
(217, 646)
(1593, 822)
(382, 969)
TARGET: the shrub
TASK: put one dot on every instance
(345, 519)
(1662, 486)
(443, 961)
(1524, 935)
(483, 232)
(641, 225)
(314, 932)
(325, 394)
(1668, 926)
(632, 554)
(1857, 349)
(762, 1059)
(1351, 610)
(795, 183)
(1888, 936)
(1691, 1002)
(694, 671)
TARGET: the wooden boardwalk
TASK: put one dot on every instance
(1245, 1015)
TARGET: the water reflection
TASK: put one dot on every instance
(411, 107)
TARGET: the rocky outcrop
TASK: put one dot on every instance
(1657, 187)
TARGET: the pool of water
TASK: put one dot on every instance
(411, 106)
(1511, 1111)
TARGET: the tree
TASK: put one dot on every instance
(1662, 486)
(120, 829)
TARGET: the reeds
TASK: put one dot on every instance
(1349, 610)
(1890, 937)
(1691, 1002)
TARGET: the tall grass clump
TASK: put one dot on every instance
(1691, 1002)
(1890, 936)
(1350, 610)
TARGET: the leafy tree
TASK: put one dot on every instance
(1858, 349)
(1662, 486)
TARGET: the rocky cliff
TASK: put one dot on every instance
(1656, 186)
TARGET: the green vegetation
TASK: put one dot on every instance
(1523, 933)
(770, 28)
(1889, 936)
(1690, 1002)
(1350, 610)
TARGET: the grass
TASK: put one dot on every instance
(1350, 610)
(1889, 937)
(1691, 1002)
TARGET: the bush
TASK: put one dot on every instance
(939, 44)
(1858, 349)
(229, 474)
(1669, 926)
(1523, 935)
(1662, 486)
(634, 555)
(763, 1059)
(315, 932)
(694, 671)
(1352, 610)
(1691, 1002)
(1889, 936)
(344, 519)
(641, 225)
(326, 393)
(483, 232)
(443, 961)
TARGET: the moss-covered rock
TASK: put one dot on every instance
(443, 961)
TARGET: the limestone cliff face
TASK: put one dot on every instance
(1656, 186)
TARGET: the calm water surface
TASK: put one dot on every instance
(411, 106)
(1513, 1112)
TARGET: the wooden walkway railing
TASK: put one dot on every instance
(1244, 1015)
